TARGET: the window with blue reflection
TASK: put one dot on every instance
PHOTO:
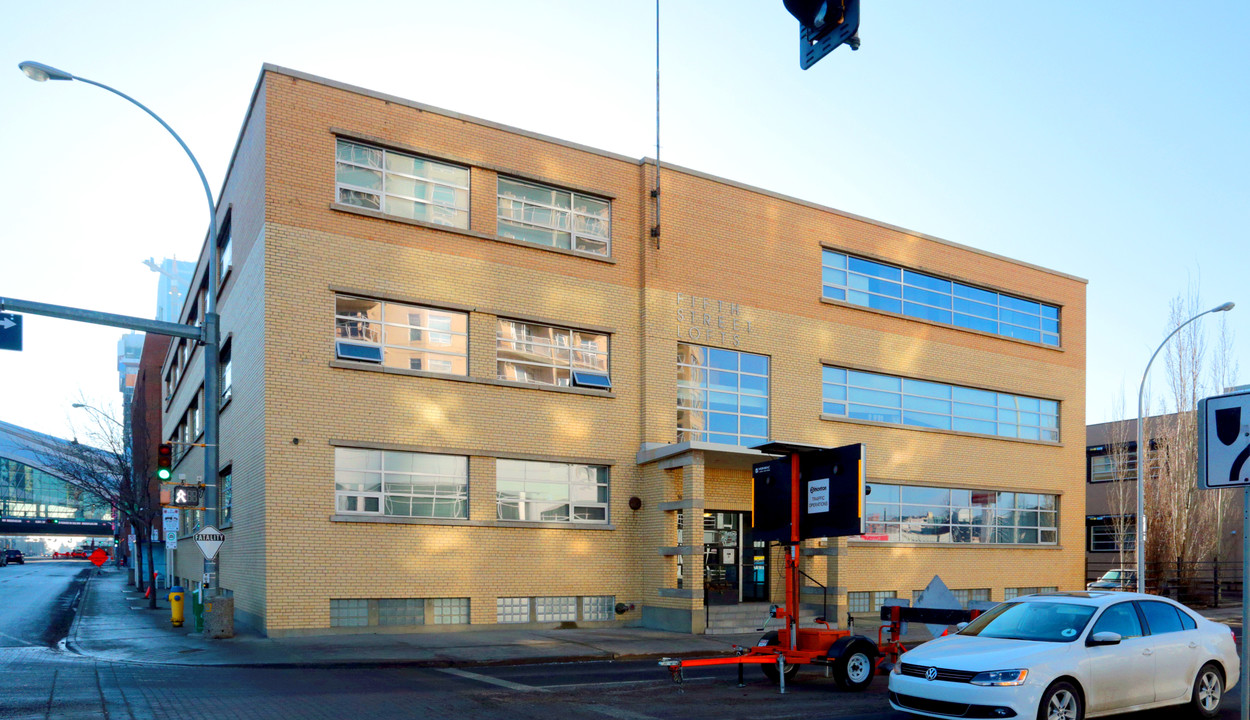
(876, 397)
(907, 292)
(917, 514)
(722, 396)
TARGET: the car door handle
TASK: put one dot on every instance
(1147, 651)
(1193, 644)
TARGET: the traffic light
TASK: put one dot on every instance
(165, 461)
(824, 25)
(185, 496)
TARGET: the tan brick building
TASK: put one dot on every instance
(467, 385)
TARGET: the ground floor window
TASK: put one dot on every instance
(367, 612)
(1102, 538)
(1012, 593)
(403, 484)
(588, 608)
(868, 602)
(551, 492)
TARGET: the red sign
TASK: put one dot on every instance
(99, 557)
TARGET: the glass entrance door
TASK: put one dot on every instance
(754, 564)
(722, 557)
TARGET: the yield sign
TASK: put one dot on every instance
(209, 539)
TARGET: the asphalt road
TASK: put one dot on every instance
(40, 681)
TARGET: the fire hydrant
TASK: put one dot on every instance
(177, 595)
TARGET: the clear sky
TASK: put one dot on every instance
(1106, 140)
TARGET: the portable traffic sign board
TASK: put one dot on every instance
(10, 331)
(99, 557)
(1224, 441)
(831, 487)
(209, 540)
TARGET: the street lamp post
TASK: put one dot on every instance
(1140, 540)
(211, 325)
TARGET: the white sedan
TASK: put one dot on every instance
(1068, 656)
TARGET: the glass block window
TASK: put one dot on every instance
(349, 613)
(555, 218)
(411, 337)
(551, 492)
(402, 484)
(907, 513)
(555, 609)
(907, 292)
(864, 602)
(401, 611)
(722, 396)
(512, 610)
(1013, 593)
(902, 401)
(965, 597)
(401, 185)
(544, 355)
(598, 607)
(451, 611)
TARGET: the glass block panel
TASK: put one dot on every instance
(555, 609)
(598, 608)
(349, 613)
(401, 611)
(451, 611)
(512, 610)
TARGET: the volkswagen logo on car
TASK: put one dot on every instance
(930, 674)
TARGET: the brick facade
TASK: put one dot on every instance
(734, 267)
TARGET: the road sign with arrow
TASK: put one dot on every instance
(10, 331)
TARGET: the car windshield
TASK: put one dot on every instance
(1112, 575)
(1041, 621)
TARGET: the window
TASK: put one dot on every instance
(555, 609)
(865, 602)
(402, 185)
(545, 355)
(401, 484)
(598, 608)
(902, 401)
(225, 373)
(1121, 619)
(401, 611)
(555, 218)
(1102, 538)
(512, 610)
(722, 396)
(349, 613)
(551, 492)
(1013, 593)
(908, 513)
(907, 292)
(1160, 617)
(225, 251)
(225, 490)
(966, 597)
(402, 336)
(451, 611)
(1107, 467)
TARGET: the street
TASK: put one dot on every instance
(38, 679)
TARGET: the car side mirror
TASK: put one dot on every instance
(1104, 638)
(961, 626)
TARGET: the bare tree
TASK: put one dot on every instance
(98, 462)
(1184, 524)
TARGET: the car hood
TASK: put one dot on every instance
(979, 654)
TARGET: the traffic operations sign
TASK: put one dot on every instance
(831, 504)
(10, 331)
(1224, 441)
(209, 539)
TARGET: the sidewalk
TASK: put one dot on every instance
(114, 623)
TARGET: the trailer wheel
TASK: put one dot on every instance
(770, 670)
(853, 669)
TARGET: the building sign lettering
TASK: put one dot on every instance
(709, 320)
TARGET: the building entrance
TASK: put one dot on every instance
(735, 566)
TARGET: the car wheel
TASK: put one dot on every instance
(853, 670)
(770, 670)
(1208, 691)
(1061, 701)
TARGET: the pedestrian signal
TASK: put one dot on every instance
(184, 496)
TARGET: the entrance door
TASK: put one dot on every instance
(754, 564)
(722, 557)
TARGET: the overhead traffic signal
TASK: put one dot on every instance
(824, 25)
(165, 461)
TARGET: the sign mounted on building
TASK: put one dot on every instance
(1224, 441)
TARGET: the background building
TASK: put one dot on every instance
(466, 367)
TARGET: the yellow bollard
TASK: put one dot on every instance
(176, 598)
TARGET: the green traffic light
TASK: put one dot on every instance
(163, 473)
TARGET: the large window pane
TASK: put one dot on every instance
(400, 483)
(737, 392)
(912, 513)
(558, 218)
(414, 188)
(544, 355)
(551, 492)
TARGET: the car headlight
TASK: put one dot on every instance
(1000, 678)
(897, 669)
